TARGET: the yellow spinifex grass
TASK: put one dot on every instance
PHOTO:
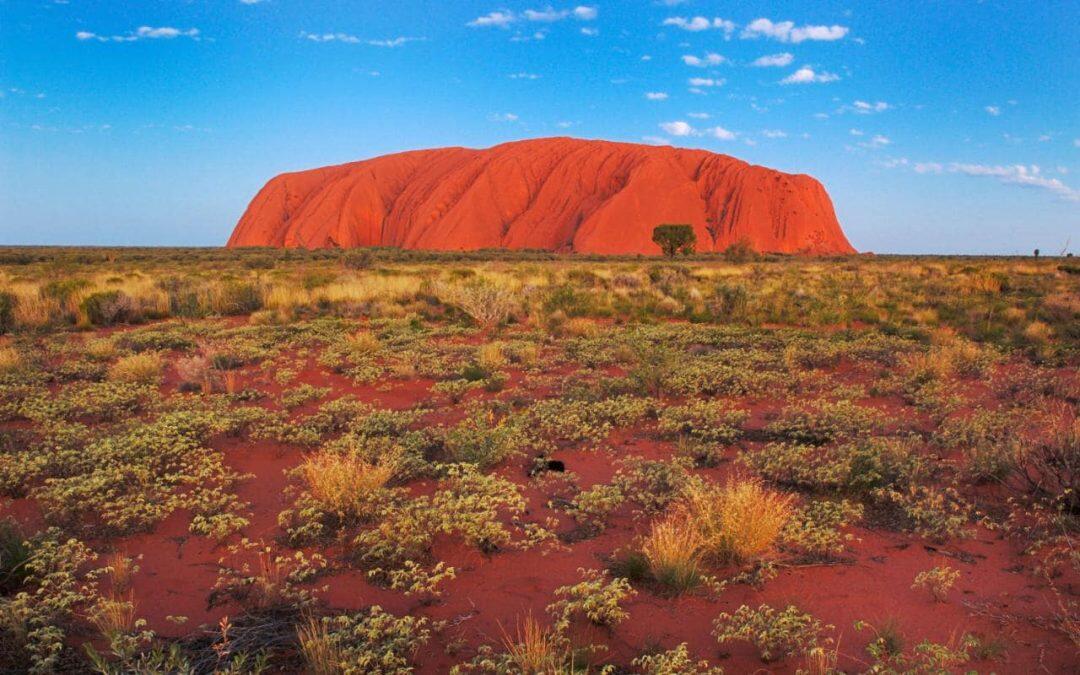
(10, 361)
(321, 654)
(114, 614)
(673, 551)
(345, 483)
(737, 522)
(143, 368)
(536, 649)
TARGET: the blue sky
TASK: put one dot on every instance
(950, 126)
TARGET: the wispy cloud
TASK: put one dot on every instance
(992, 110)
(1020, 175)
(524, 76)
(866, 108)
(503, 117)
(499, 19)
(876, 142)
(352, 39)
(710, 59)
(787, 31)
(706, 82)
(141, 33)
(656, 95)
(503, 18)
(807, 75)
(683, 129)
(1030, 176)
(773, 60)
(699, 23)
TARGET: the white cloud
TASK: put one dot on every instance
(352, 39)
(683, 129)
(394, 42)
(865, 108)
(591, 32)
(1018, 174)
(499, 19)
(503, 117)
(876, 142)
(251, 2)
(141, 33)
(992, 110)
(710, 59)
(806, 75)
(584, 13)
(548, 15)
(706, 82)
(330, 37)
(504, 17)
(698, 115)
(773, 60)
(928, 167)
(786, 31)
(700, 23)
(856, 132)
(656, 95)
(524, 76)
(677, 128)
(773, 133)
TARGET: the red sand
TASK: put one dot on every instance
(560, 194)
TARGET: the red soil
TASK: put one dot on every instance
(997, 594)
(555, 193)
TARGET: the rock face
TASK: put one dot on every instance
(559, 194)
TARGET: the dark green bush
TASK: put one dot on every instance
(107, 308)
(240, 297)
(7, 312)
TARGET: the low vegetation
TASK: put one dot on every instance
(500, 462)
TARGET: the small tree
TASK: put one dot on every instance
(674, 238)
(1036, 253)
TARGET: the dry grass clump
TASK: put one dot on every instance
(344, 483)
(10, 360)
(363, 343)
(672, 550)
(100, 350)
(486, 303)
(491, 356)
(738, 522)
(143, 368)
(322, 655)
(114, 615)
(535, 649)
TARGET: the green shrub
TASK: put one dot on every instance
(8, 301)
(776, 634)
(370, 642)
(106, 308)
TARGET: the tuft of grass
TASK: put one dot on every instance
(344, 483)
(114, 614)
(673, 552)
(10, 361)
(491, 356)
(739, 522)
(322, 655)
(534, 648)
(142, 368)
